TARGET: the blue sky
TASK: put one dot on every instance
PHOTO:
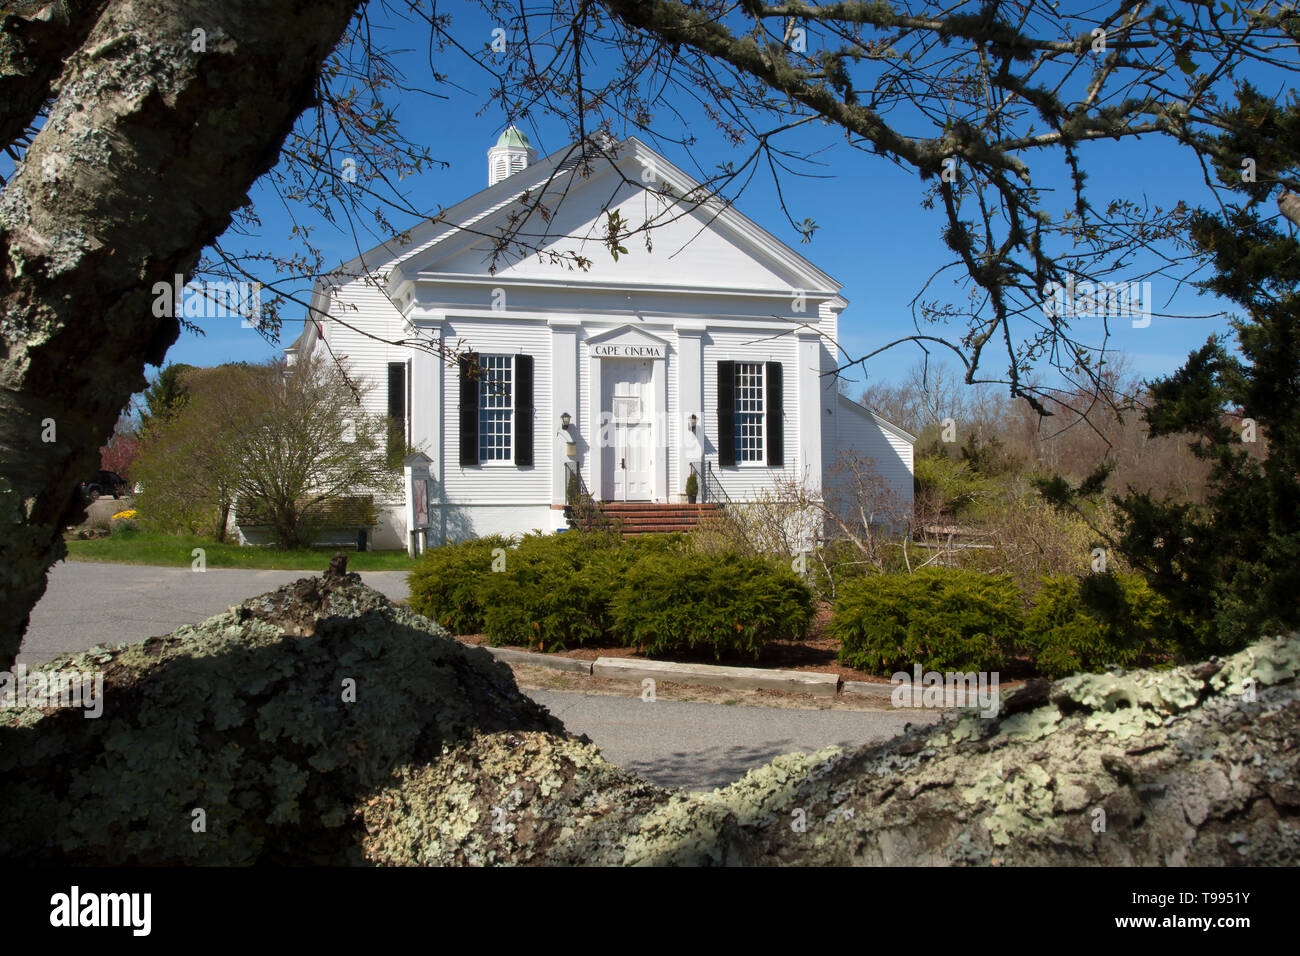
(874, 236)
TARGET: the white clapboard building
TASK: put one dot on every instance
(704, 347)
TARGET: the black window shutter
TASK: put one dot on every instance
(469, 379)
(523, 409)
(396, 412)
(726, 413)
(397, 392)
(775, 416)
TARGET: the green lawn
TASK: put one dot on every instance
(176, 550)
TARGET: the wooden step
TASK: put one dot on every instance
(666, 510)
(634, 518)
(620, 506)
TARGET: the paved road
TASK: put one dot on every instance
(701, 746)
(88, 603)
(672, 743)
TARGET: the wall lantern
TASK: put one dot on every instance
(570, 446)
(694, 421)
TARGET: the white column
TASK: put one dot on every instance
(592, 427)
(830, 418)
(428, 375)
(659, 386)
(690, 401)
(409, 510)
(564, 398)
(808, 464)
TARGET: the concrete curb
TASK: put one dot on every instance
(510, 655)
(740, 678)
(709, 675)
(867, 689)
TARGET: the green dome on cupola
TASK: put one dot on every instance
(513, 137)
(510, 155)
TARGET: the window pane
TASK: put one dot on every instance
(495, 403)
(750, 397)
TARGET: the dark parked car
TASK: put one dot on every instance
(104, 483)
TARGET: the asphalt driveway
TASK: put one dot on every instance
(672, 743)
(88, 603)
(702, 746)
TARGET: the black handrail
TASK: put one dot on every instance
(711, 486)
(580, 508)
(574, 486)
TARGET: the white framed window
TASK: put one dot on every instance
(496, 409)
(750, 407)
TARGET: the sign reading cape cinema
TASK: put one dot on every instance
(628, 351)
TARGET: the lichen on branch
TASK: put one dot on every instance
(436, 758)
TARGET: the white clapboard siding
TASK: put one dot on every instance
(858, 431)
(828, 324)
(504, 483)
(359, 338)
(751, 345)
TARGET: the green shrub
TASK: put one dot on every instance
(556, 589)
(549, 601)
(952, 486)
(657, 544)
(445, 583)
(1092, 623)
(572, 547)
(940, 618)
(726, 603)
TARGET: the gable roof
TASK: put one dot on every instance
(559, 174)
(882, 422)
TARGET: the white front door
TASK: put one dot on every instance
(627, 461)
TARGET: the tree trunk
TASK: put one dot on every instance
(153, 140)
(322, 723)
(1197, 766)
(223, 519)
(34, 41)
(285, 524)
